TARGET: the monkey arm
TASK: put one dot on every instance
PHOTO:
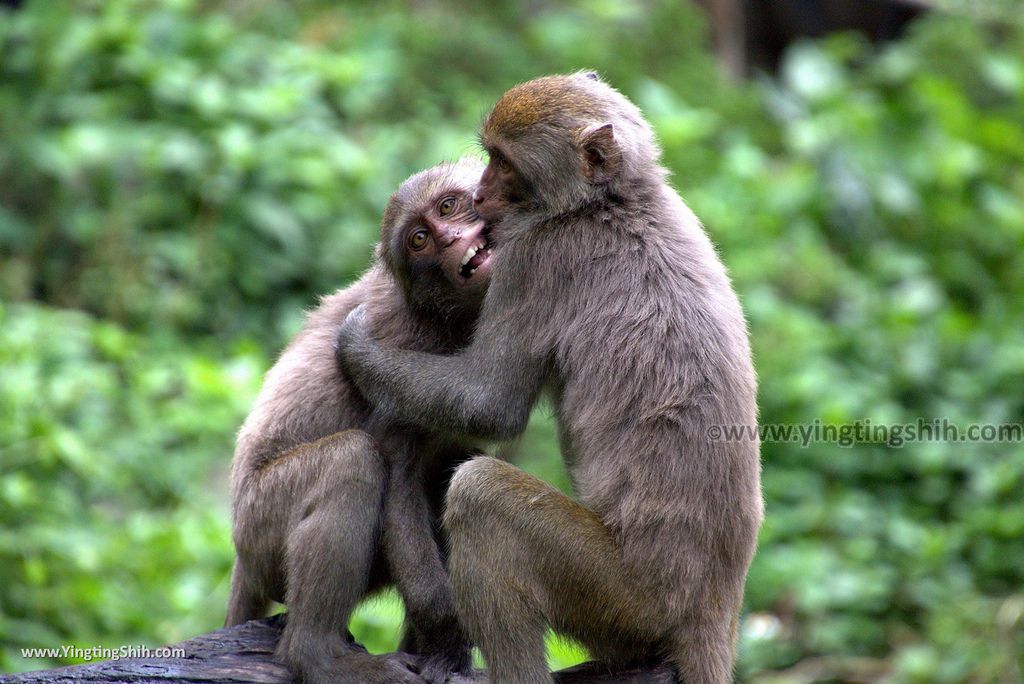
(486, 391)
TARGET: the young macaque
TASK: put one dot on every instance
(328, 507)
(607, 294)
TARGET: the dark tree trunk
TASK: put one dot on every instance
(244, 655)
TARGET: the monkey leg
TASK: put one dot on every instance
(702, 645)
(524, 556)
(247, 600)
(433, 628)
(318, 509)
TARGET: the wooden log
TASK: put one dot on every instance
(245, 655)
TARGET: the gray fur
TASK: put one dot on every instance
(610, 297)
(323, 513)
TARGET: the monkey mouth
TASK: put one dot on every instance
(475, 256)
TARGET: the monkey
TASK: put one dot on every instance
(606, 296)
(329, 508)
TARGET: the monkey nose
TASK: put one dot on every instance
(477, 197)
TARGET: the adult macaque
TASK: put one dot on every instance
(607, 293)
(325, 514)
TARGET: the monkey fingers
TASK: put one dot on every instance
(353, 341)
(358, 353)
(474, 677)
(392, 668)
(352, 331)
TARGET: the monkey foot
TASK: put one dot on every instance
(474, 677)
(395, 668)
(356, 666)
(440, 670)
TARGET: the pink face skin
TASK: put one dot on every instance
(451, 233)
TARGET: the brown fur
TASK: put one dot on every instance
(606, 294)
(324, 513)
(536, 102)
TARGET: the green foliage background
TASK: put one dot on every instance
(180, 179)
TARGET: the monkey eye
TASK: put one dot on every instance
(446, 206)
(502, 164)
(418, 239)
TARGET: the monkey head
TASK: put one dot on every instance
(558, 142)
(434, 243)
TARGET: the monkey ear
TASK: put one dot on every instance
(601, 153)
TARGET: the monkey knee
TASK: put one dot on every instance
(471, 487)
(347, 483)
(353, 457)
(486, 492)
(352, 446)
(471, 478)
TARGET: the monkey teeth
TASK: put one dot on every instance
(472, 259)
(470, 253)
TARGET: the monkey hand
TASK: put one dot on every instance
(443, 668)
(443, 647)
(393, 668)
(352, 334)
(473, 677)
(358, 354)
(354, 346)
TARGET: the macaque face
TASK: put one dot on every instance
(501, 186)
(448, 234)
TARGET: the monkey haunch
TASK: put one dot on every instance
(325, 514)
(607, 293)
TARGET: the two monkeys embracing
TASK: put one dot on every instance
(566, 267)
